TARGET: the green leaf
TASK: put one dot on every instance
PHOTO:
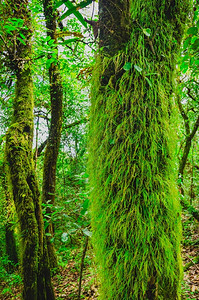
(184, 67)
(58, 4)
(185, 58)
(147, 31)
(85, 206)
(138, 68)
(192, 30)
(195, 45)
(186, 42)
(111, 142)
(72, 230)
(87, 232)
(50, 61)
(48, 234)
(73, 9)
(149, 82)
(64, 237)
(23, 37)
(127, 66)
(21, 40)
(149, 74)
(193, 39)
(66, 42)
(51, 41)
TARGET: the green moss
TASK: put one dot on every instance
(135, 206)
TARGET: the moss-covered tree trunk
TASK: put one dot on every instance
(11, 247)
(52, 148)
(135, 206)
(35, 268)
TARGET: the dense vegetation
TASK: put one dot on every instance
(99, 149)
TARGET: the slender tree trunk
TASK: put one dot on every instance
(188, 142)
(52, 148)
(135, 206)
(35, 268)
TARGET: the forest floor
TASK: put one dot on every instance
(190, 286)
(66, 282)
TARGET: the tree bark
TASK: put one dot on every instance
(52, 148)
(135, 207)
(35, 264)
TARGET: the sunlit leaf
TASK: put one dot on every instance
(147, 31)
(184, 67)
(66, 42)
(87, 232)
(149, 82)
(138, 68)
(64, 237)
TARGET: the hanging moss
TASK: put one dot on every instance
(135, 206)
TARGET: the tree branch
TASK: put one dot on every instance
(193, 262)
(195, 128)
(84, 120)
(43, 145)
(189, 94)
(184, 116)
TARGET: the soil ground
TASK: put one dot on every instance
(66, 282)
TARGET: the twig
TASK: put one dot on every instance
(81, 268)
(192, 262)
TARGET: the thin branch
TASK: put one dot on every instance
(184, 116)
(192, 262)
(85, 120)
(38, 151)
(195, 128)
(189, 94)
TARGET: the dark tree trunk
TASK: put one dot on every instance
(52, 148)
